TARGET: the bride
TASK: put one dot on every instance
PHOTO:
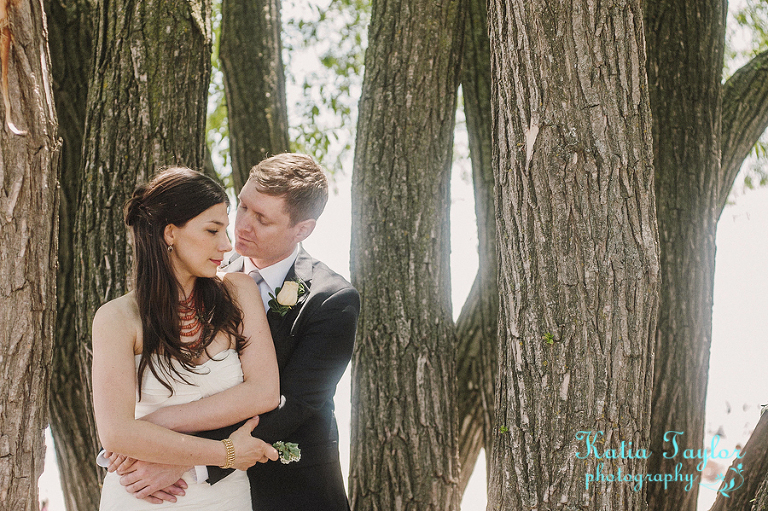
(185, 351)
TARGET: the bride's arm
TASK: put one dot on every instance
(114, 397)
(260, 390)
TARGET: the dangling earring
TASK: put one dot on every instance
(170, 248)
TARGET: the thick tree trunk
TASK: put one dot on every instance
(579, 269)
(745, 118)
(70, 31)
(684, 35)
(404, 434)
(146, 109)
(478, 322)
(753, 467)
(28, 227)
(254, 83)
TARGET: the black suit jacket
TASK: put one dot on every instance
(313, 343)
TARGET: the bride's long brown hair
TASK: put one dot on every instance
(174, 196)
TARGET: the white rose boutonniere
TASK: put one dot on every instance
(287, 296)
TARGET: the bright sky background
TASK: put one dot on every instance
(740, 320)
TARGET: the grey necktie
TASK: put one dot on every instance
(256, 276)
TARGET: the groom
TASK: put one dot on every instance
(313, 327)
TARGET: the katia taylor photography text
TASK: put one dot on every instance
(594, 447)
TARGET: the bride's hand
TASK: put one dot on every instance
(250, 450)
(118, 462)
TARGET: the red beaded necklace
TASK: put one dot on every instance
(190, 319)
(191, 324)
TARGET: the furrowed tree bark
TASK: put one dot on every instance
(685, 41)
(578, 244)
(404, 434)
(745, 118)
(70, 30)
(28, 227)
(254, 83)
(478, 322)
(146, 109)
(754, 470)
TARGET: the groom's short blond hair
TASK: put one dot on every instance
(296, 178)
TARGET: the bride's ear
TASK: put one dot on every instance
(169, 234)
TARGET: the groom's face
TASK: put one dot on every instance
(263, 229)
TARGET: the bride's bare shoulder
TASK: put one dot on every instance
(240, 283)
(116, 329)
(120, 312)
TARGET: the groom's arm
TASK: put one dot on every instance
(314, 369)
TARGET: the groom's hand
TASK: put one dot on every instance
(154, 482)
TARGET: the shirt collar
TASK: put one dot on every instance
(274, 275)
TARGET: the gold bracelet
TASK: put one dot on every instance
(230, 453)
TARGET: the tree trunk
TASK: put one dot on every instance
(70, 30)
(686, 132)
(754, 470)
(28, 227)
(404, 434)
(578, 244)
(254, 83)
(146, 109)
(478, 322)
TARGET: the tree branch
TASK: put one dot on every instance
(745, 118)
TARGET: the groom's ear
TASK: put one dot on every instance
(303, 229)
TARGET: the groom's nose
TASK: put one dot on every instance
(242, 226)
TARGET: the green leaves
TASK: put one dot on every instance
(754, 17)
(336, 37)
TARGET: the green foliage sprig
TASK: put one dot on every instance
(288, 451)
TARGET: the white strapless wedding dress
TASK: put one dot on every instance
(231, 493)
